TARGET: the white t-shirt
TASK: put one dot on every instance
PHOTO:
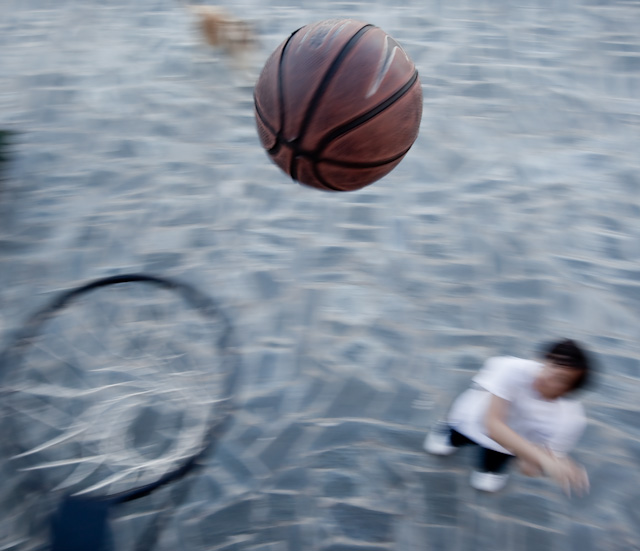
(557, 424)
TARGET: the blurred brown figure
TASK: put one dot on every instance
(235, 37)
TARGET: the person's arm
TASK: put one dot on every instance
(564, 471)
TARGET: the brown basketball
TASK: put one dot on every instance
(338, 104)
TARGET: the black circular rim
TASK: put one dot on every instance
(209, 309)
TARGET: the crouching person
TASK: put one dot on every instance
(523, 409)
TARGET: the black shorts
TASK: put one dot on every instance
(490, 461)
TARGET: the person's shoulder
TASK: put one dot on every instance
(513, 364)
(507, 370)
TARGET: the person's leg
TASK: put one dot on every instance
(492, 461)
(490, 476)
(458, 439)
(443, 440)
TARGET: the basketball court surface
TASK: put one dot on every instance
(359, 316)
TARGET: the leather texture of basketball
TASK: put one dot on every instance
(338, 104)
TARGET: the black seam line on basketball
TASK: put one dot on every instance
(276, 146)
(347, 164)
(279, 137)
(320, 91)
(276, 133)
(326, 80)
(356, 166)
(348, 126)
(281, 84)
(316, 173)
(274, 150)
(262, 117)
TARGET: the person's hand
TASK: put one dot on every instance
(565, 472)
(528, 468)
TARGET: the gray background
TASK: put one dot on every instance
(513, 220)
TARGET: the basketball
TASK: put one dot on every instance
(338, 104)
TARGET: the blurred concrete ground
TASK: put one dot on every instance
(513, 220)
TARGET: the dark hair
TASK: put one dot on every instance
(567, 353)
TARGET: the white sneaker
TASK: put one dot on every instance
(438, 440)
(488, 482)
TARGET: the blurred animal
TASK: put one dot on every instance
(233, 36)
